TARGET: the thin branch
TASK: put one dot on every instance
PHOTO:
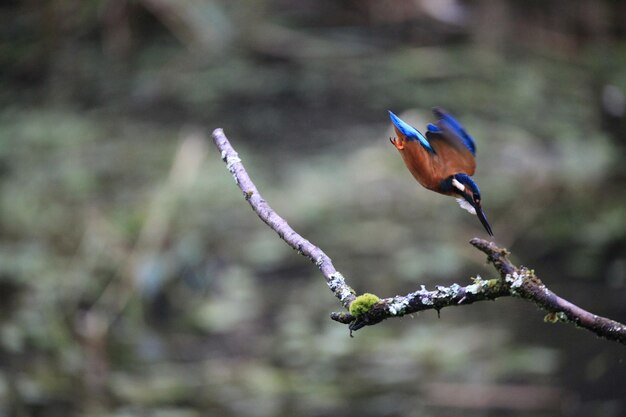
(334, 279)
(512, 281)
(523, 283)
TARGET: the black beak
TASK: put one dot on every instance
(483, 219)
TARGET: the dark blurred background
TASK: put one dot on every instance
(135, 280)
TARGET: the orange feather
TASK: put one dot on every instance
(430, 169)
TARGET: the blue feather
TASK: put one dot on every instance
(433, 128)
(410, 132)
(457, 128)
(467, 180)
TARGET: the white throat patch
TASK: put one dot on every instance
(465, 205)
(457, 184)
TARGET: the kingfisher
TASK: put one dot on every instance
(442, 161)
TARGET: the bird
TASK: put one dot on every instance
(443, 160)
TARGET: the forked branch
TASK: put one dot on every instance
(512, 281)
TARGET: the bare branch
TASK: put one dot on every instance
(512, 281)
(334, 279)
(523, 283)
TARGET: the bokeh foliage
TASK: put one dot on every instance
(134, 279)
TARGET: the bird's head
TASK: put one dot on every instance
(468, 196)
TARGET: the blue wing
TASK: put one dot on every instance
(410, 132)
(447, 122)
(433, 128)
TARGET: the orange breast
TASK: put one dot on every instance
(420, 164)
(431, 169)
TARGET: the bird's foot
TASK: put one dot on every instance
(395, 142)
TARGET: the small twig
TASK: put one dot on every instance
(513, 281)
(334, 279)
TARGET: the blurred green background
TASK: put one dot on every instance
(136, 281)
